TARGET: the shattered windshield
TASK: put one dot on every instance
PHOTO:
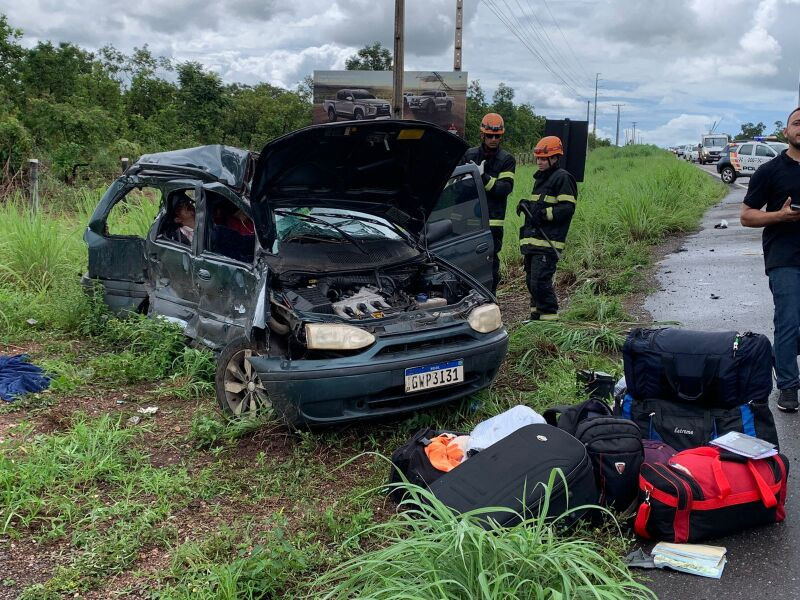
(302, 224)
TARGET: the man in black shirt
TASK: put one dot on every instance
(776, 185)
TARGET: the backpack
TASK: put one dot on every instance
(615, 449)
(568, 416)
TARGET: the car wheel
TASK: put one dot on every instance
(728, 175)
(331, 115)
(358, 115)
(239, 390)
(431, 108)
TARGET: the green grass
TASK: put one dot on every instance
(631, 198)
(249, 509)
(428, 552)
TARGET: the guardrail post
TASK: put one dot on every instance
(33, 177)
(125, 163)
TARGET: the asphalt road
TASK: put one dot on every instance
(718, 283)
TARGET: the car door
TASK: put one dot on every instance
(746, 159)
(117, 262)
(458, 227)
(346, 105)
(174, 294)
(224, 270)
(763, 154)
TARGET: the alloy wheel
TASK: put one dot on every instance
(244, 392)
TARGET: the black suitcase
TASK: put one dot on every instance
(616, 451)
(715, 369)
(513, 472)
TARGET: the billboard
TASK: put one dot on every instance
(438, 97)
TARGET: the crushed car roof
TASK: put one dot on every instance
(226, 164)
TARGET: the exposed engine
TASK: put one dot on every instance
(373, 294)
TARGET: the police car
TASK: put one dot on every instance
(741, 159)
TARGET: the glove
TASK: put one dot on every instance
(480, 166)
(535, 217)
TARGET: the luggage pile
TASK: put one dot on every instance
(650, 456)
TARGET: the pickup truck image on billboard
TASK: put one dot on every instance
(431, 102)
(434, 96)
(356, 104)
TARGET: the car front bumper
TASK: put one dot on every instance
(371, 384)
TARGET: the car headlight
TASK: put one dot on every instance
(486, 318)
(336, 336)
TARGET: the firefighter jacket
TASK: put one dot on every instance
(554, 196)
(498, 179)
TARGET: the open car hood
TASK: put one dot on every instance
(390, 168)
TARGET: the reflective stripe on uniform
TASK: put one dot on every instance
(544, 317)
(547, 199)
(548, 213)
(541, 243)
(506, 175)
(566, 198)
(490, 184)
(496, 222)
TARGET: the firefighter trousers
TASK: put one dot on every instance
(497, 240)
(539, 271)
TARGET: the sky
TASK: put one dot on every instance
(677, 66)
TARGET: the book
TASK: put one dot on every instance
(745, 445)
(696, 559)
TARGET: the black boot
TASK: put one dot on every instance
(787, 400)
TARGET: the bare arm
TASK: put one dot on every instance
(753, 217)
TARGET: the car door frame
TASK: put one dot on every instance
(173, 291)
(117, 263)
(472, 252)
(224, 281)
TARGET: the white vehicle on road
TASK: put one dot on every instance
(691, 153)
(745, 158)
(711, 146)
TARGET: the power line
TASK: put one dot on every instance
(540, 36)
(510, 26)
(569, 47)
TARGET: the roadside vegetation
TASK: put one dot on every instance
(105, 499)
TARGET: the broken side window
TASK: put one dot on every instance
(230, 230)
(460, 203)
(134, 214)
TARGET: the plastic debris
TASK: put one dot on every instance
(148, 410)
(723, 224)
(134, 420)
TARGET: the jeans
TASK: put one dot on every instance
(784, 282)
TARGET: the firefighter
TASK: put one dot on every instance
(497, 171)
(548, 213)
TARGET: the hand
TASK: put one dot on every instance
(787, 213)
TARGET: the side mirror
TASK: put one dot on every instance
(439, 230)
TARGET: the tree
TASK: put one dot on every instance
(202, 102)
(370, 58)
(749, 130)
(778, 133)
(476, 108)
(10, 55)
(596, 142)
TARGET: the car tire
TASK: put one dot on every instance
(331, 115)
(728, 175)
(238, 387)
(358, 115)
(431, 108)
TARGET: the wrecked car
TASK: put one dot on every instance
(340, 274)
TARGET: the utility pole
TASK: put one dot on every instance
(397, 80)
(616, 143)
(594, 127)
(459, 23)
(633, 137)
(588, 104)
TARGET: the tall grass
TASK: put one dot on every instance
(428, 552)
(631, 198)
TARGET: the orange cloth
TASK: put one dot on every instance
(443, 454)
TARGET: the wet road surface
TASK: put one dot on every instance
(718, 283)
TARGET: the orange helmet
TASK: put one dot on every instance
(493, 123)
(549, 145)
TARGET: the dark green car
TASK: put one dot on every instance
(340, 274)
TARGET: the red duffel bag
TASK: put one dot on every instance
(699, 495)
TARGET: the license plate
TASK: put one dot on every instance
(433, 376)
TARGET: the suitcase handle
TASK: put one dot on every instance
(721, 480)
(710, 368)
(767, 497)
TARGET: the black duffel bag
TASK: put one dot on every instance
(685, 426)
(715, 369)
